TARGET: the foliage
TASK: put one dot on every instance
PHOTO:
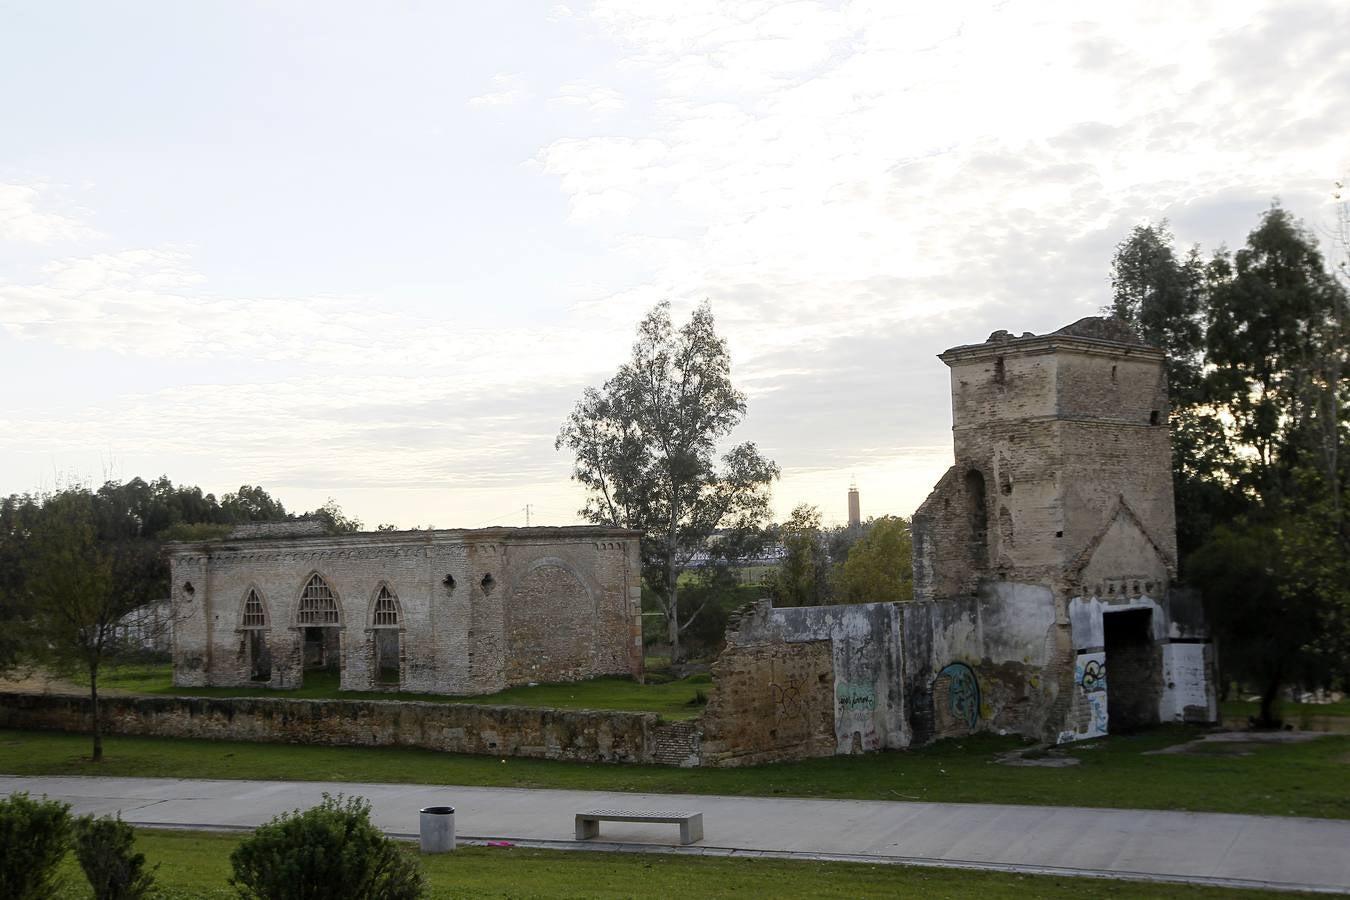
(106, 850)
(645, 447)
(880, 565)
(803, 579)
(84, 569)
(334, 520)
(34, 835)
(252, 504)
(1265, 626)
(330, 851)
(1162, 297)
(1256, 437)
(1274, 339)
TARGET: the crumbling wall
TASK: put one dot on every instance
(998, 661)
(865, 645)
(771, 699)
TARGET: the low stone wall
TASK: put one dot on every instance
(570, 734)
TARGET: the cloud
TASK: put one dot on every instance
(21, 220)
(592, 97)
(508, 90)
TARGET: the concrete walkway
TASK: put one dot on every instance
(1208, 848)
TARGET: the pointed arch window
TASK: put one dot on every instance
(386, 609)
(255, 614)
(318, 606)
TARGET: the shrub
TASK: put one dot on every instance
(106, 848)
(331, 851)
(34, 835)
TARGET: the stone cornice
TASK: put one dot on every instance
(374, 544)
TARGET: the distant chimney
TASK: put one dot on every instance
(854, 509)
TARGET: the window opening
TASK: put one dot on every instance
(386, 609)
(254, 614)
(318, 606)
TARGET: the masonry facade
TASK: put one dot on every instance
(440, 611)
(1044, 559)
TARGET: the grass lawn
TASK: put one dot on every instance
(196, 865)
(1307, 779)
(678, 699)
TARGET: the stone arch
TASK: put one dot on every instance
(317, 616)
(255, 623)
(384, 632)
(550, 620)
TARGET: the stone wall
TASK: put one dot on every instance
(770, 700)
(869, 708)
(576, 734)
(477, 611)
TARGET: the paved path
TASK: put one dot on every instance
(1214, 848)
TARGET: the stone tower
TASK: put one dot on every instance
(1062, 455)
(854, 507)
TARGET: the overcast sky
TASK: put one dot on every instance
(375, 252)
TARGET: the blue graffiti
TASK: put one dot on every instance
(963, 694)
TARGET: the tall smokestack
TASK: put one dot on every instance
(854, 509)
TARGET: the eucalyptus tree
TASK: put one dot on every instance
(646, 447)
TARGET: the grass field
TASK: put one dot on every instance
(1300, 715)
(678, 699)
(196, 865)
(1306, 779)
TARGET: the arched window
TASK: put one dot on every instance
(255, 614)
(253, 622)
(386, 609)
(386, 642)
(318, 606)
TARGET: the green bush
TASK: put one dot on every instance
(34, 835)
(106, 849)
(329, 852)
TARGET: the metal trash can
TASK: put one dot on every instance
(438, 829)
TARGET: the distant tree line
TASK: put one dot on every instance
(75, 563)
(1256, 345)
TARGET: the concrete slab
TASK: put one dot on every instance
(1257, 851)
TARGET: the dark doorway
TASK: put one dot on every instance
(322, 649)
(259, 656)
(1133, 670)
(386, 656)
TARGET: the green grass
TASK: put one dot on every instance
(1306, 779)
(196, 865)
(672, 700)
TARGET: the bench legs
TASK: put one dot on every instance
(587, 828)
(691, 829)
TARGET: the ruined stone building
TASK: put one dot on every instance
(1044, 562)
(439, 611)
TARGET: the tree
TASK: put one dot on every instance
(1162, 298)
(880, 566)
(82, 573)
(1276, 346)
(803, 579)
(252, 504)
(1264, 621)
(645, 447)
(334, 520)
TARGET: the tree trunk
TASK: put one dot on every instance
(1267, 716)
(673, 619)
(93, 707)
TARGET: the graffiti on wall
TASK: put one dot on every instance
(1089, 674)
(787, 698)
(855, 696)
(963, 694)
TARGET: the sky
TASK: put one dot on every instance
(376, 252)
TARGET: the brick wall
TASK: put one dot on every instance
(478, 610)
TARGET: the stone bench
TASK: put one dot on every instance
(691, 823)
